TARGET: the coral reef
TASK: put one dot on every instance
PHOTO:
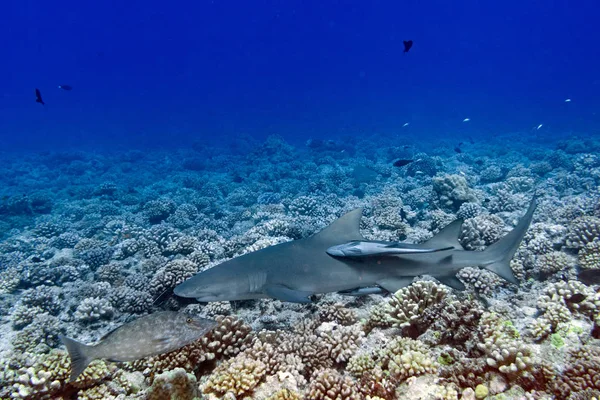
(93, 240)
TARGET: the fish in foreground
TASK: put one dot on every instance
(589, 276)
(402, 162)
(38, 97)
(296, 270)
(407, 45)
(150, 335)
(65, 87)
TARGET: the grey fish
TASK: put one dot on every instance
(296, 270)
(150, 335)
(363, 248)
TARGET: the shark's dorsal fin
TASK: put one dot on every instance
(447, 237)
(345, 228)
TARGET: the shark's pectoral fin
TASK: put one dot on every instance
(284, 293)
(451, 281)
(363, 291)
(392, 285)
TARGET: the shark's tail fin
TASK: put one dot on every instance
(499, 254)
(79, 357)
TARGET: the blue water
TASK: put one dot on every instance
(157, 74)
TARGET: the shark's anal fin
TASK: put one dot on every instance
(284, 293)
(392, 285)
(451, 281)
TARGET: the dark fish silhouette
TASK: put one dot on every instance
(65, 87)
(402, 162)
(407, 45)
(402, 214)
(38, 97)
(589, 276)
(458, 149)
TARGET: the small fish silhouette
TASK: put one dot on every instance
(402, 162)
(458, 149)
(38, 97)
(402, 214)
(65, 87)
(407, 45)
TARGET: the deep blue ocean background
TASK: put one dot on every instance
(156, 74)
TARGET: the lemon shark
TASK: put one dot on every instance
(339, 259)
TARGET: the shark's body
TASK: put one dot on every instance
(293, 271)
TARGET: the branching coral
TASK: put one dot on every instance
(583, 231)
(452, 191)
(329, 384)
(501, 344)
(481, 231)
(406, 306)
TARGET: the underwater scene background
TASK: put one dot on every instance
(173, 137)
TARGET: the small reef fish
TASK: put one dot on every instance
(150, 335)
(65, 87)
(405, 124)
(457, 149)
(539, 127)
(567, 100)
(403, 214)
(38, 96)
(589, 276)
(466, 119)
(402, 162)
(407, 45)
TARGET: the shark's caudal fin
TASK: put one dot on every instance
(500, 253)
(345, 228)
(78, 354)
